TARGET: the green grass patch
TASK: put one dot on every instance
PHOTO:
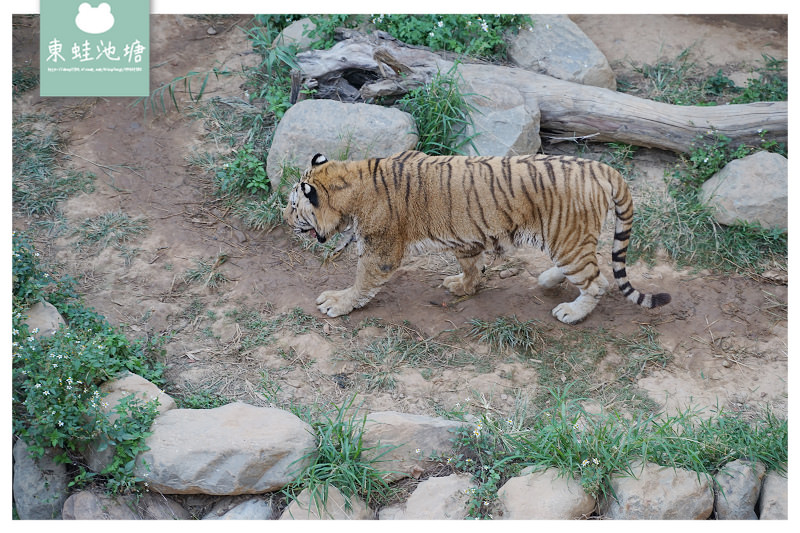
(40, 179)
(342, 460)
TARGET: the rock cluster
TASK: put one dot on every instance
(245, 452)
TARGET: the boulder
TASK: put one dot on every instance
(753, 189)
(659, 493)
(40, 485)
(43, 319)
(233, 449)
(557, 497)
(557, 47)
(436, 498)
(331, 506)
(736, 491)
(338, 131)
(773, 504)
(504, 123)
(113, 391)
(403, 443)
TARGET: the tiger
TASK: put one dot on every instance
(468, 205)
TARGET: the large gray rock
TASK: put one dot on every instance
(504, 122)
(114, 391)
(339, 131)
(312, 505)
(659, 493)
(40, 485)
(773, 504)
(403, 443)
(43, 319)
(737, 490)
(436, 498)
(752, 189)
(557, 47)
(557, 497)
(233, 449)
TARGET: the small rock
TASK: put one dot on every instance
(86, 505)
(773, 504)
(335, 507)
(738, 488)
(44, 319)
(252, 509)
(557, 497)
(211, 30)
(436, 498)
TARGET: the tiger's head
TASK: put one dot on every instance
(309, 207)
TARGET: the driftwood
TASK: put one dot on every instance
(364, 67)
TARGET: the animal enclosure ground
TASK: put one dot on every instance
(247, 327)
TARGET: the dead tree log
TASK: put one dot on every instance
(363, 67)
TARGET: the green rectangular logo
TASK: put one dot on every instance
(97, 48)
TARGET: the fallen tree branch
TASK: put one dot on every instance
(365, 67)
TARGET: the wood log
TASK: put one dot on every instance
(364, 67)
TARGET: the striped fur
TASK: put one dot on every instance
(468, 205)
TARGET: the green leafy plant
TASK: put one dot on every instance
(342, 460)
(157, 100)
(441, 113)
(246, 172)
(771, 86)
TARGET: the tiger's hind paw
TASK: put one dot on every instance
(455, 284)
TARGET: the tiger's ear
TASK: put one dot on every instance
(311, 193)
(318, 159)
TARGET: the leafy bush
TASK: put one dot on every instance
(56, 400)
(472, 35)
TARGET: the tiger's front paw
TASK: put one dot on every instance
(572, 312)
(455, 284)
(336, 303)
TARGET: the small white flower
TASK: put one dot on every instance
(430, 34)
(440, 23)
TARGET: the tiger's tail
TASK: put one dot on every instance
(623, 209)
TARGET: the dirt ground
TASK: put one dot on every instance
(727, 334)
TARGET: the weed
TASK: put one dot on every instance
(508, 333)
(342, 460)
(201, 399)
(157, 101)
(620, 158)
(24, 79)
(441, 114)
(207, 272)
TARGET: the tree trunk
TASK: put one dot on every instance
(364, 67)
